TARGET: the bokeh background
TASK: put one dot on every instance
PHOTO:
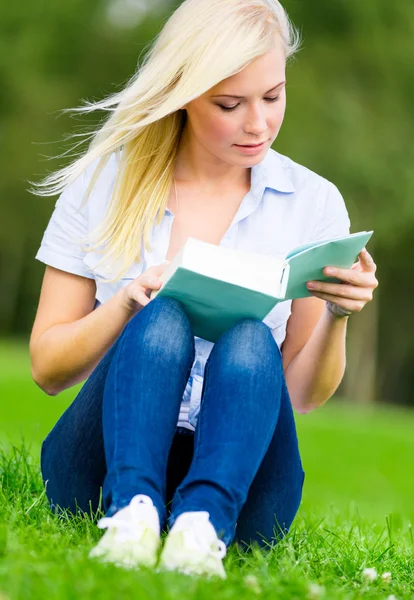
(350, 97)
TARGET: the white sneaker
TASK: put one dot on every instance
(192, 546)
(133, 536)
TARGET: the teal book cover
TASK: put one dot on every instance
(307, 262)
(214, 304)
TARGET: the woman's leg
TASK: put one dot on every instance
(276, 491)
(243, 397)
(179, 461)
(119, 429)
(72, 455)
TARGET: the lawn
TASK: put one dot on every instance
(356, 512)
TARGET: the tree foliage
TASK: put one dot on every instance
(350, 92)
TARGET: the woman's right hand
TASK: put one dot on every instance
(136, 293)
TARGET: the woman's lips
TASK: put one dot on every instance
(251, 145)
(250, 149)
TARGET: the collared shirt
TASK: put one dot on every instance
(287, 205)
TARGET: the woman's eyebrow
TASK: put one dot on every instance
(232, 96)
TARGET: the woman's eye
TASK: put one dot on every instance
(273, 99)
(230, 108)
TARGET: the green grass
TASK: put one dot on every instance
(356, 512)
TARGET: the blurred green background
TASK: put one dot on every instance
(350, 92)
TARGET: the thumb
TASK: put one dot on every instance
(159, 269)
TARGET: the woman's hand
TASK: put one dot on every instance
(359, 283)
(136, 293)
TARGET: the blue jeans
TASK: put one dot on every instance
(119, 437)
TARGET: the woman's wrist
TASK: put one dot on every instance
(337, 311)
(129, 307)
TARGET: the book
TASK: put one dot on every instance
(218, 286)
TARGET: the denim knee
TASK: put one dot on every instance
(162, 326)
(250, 344)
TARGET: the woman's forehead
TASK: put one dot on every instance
(260, 76)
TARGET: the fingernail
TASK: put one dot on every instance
(329, 271)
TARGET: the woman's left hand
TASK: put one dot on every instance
(359, 283)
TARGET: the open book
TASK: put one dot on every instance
(218, 286)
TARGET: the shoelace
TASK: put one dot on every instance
(203, 544)
(126, 527)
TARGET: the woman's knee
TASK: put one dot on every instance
(250, 344)
(162, 326)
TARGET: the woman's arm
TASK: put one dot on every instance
(69, 338)
(314, 348)
(316, 370)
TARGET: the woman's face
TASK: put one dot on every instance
(220, 122)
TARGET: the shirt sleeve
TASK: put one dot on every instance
(61, 243)
(332, 219)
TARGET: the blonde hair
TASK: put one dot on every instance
(202, 43)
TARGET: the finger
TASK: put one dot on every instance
(149, 290)
(354, 305)
(367, 262)
(140, 297)
(159, 269)
(353, 277)
(149, 278)
(340, 290)
(153, 284)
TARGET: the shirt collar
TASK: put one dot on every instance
(271, 173)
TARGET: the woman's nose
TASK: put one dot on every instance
(256, 122)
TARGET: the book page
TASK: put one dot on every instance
(259, 272)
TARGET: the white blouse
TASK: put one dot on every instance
(287, 205)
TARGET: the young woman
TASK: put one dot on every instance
(170, 429)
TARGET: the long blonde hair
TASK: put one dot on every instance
(202, 43)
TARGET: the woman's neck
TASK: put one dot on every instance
(209, 174)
